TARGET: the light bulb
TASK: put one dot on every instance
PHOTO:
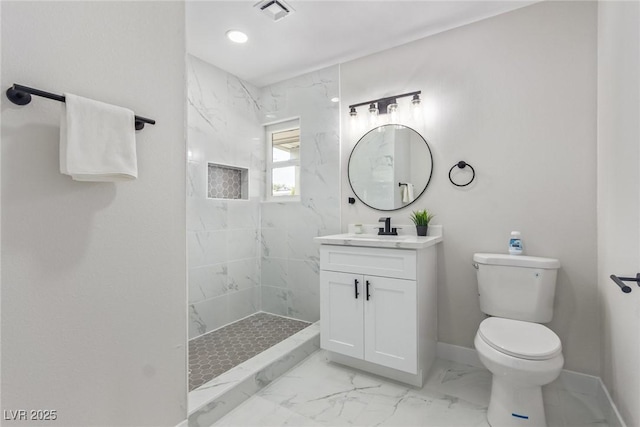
(373, 114)
(392, 109)
(416, 108)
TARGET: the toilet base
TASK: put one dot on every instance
(515, 404)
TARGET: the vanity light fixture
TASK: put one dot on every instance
(237, 36)
(385, 105)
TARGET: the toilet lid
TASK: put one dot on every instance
(525, 340)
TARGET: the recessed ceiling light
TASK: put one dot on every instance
(237, 36)
(335, 99)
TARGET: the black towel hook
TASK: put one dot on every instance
(462, 164)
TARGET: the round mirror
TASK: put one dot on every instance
(390, 167)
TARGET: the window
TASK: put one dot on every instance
(283, 160)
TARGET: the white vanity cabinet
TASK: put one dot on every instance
(378, 308)
(367, 326)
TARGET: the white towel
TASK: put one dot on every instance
(407, 193)
(97, 141)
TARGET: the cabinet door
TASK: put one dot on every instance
(341, 313)
(390, 323)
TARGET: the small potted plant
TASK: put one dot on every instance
(421, 219)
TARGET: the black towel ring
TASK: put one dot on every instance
(462, 164)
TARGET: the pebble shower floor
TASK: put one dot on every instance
(218, 351)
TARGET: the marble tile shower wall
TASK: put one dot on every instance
(247, 256)
(290, 258)
(223, 235)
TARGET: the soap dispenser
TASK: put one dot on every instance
(515, 243)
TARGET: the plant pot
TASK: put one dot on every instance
(422, 230)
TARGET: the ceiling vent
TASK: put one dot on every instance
(274, 9)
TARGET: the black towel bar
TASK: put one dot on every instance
(623, 287)
(21, 95)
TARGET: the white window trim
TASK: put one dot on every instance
(269, 129)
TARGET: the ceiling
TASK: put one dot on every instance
(319, 33)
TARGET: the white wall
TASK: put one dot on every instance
(223, 235)
(94, 274)
(514, 96)
(619, 199)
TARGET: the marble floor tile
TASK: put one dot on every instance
(321, 393)
(464, 382)
(263, 412)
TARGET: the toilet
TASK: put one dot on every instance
(522, 354)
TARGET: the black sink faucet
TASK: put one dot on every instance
(387, 230)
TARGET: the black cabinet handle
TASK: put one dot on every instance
(368, 294)
(355, 285)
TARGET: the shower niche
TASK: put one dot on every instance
(227, 182)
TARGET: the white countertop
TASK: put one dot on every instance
(404, 240)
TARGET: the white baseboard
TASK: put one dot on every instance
(456, 353)
(572, 381)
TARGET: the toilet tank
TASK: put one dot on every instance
(516, 286)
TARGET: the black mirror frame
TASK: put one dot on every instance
(425, 186)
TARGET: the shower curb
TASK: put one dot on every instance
(213, 400)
